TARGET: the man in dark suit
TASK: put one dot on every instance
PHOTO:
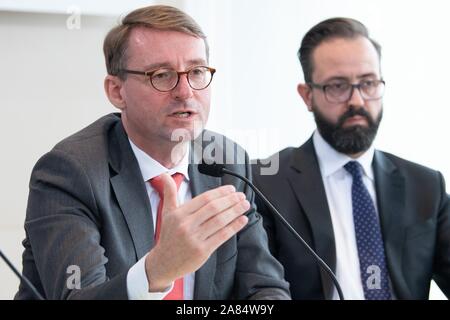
(380, 222)
(119, 210)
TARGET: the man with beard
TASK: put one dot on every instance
(120, 210)
(380, 222)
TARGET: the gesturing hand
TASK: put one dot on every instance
(190, 233)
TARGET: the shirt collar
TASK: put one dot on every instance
(151, 168)
(331, 160)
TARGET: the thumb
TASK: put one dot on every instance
(170, 193)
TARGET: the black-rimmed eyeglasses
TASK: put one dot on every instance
(166, 79)
(338, 92)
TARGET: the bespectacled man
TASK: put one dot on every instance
(380, 222)
(122, 202)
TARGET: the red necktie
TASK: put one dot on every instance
(158, 185)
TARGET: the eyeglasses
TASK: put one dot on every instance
(338, 92)
(166, 79)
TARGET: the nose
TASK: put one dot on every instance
(356, 99)
(183, 90)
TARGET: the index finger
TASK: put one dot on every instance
(203, 199)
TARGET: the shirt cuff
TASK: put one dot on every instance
(137, 284)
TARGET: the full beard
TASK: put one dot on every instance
(350, 140)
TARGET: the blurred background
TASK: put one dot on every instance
(52, 72)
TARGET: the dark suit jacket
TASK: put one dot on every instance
(415, 220)
(88, 207)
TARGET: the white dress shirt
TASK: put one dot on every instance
(137, 283)
(338, 185)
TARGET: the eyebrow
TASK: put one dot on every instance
(366, 75)
(194, 62)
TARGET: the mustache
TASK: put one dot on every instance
(355, 112)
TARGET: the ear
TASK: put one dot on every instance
(113, 88)
(305, 92)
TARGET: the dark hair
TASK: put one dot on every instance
(158, 17)
(326, 30)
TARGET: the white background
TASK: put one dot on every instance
(51, 81)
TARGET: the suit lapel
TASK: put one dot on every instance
(390, 189)
(199, 183)
(129, 188)
(306, 182)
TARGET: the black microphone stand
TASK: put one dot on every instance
(24, 279)
(291, 229)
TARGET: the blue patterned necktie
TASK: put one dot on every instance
(372, 259)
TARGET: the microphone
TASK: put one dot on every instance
(24, 280)
(219, 170)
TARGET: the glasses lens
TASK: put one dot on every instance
(199, 77)
(338, 92)
(372, 89)
(164, 79)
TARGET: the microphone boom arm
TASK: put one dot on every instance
(24, 279)
(291, 229)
